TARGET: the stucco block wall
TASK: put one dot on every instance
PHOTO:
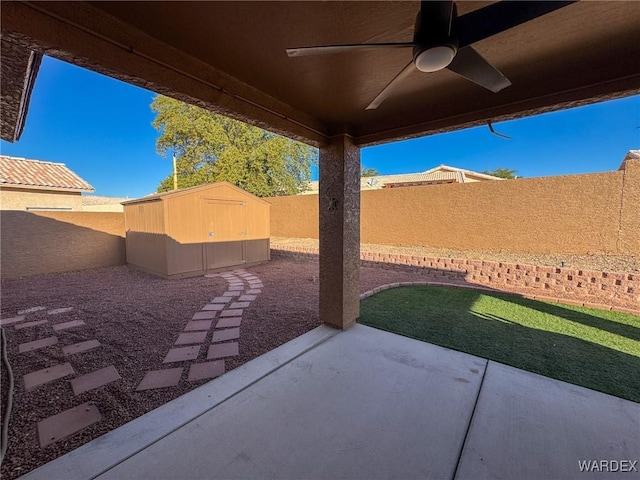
(21, 199)
(573, 214)
(295, 216)
(578, 214)
(629, 238)
(44, 242)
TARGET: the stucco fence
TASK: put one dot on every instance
(47, 242)
(576, 214)
(579, 214)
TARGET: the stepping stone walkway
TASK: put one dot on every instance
(160, 379)
(95, 379)
(199, 371)
(65, 325)
(46, 375)
(67, 423)
(80, 347)
(30, 324)
(37, 344)
(73, 420)
(182, 354)
(9, 321)
(224, 313)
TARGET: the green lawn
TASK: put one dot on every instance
(594, 348)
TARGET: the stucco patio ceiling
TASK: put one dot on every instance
(230, 56)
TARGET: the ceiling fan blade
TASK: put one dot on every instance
(327, 49)
(386, 91)
(501, 16)
(472, 66)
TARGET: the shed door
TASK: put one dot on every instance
(225, 231)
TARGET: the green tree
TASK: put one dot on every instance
(369, 172)
(210, 147)
(501, 173)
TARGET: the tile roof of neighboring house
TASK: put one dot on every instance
(379, 181)
(436, 174)
(463, 171)
(34, 174)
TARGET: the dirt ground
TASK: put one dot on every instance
(137, 317)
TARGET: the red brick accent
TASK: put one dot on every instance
(591, 288)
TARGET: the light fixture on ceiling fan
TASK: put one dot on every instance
(441, 40)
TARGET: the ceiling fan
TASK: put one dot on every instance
(441, 40)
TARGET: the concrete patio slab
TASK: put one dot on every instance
(63, 326)
(95, 379)
(67, 423)
(46, 375)
(227, 334)
(254, 291)
(190, 338)
(319, 416)
(247, 298)
(358, 403)
(229, 322)
(231, 294)
(35, 323)
(528, 426)
(231, 313)
(195, 325)
(199, 371)
(222, 350)
(37, 344)
(182, 354)
(80, 347)
(235, 288)
(168, 377)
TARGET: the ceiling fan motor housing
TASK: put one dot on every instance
(435, 36)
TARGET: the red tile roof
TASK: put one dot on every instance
(20, 172)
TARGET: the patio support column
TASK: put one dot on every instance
(339, 211)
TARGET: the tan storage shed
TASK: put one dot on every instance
(197, 230)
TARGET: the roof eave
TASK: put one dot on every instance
(19, 72)
(45, 188)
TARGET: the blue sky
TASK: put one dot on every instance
(101, 128)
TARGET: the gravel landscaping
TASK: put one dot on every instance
(136, 318)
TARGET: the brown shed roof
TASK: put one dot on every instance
(20, 172)
(183, 191)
